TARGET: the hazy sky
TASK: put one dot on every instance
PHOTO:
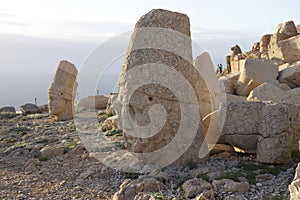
(35, 35)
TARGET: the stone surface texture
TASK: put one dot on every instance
(62, 90)
(270, 130)
(254, 73)
(160, 48)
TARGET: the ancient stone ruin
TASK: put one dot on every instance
(160, 48)
(171, 112)
(263, 100)
(62, 91)
(255, 109)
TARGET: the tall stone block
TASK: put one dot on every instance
(210, 98)
(158, 99)
(62, 91)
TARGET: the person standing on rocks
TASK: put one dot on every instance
(220, 68)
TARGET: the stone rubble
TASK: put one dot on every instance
(45, 159)
(272, 81)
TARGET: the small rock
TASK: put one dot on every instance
(227, 185)
(258, 184)
(197, 186)
(143, 196)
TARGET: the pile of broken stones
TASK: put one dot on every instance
(263, 97)
(42, 158)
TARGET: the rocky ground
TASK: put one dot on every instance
(43, 159)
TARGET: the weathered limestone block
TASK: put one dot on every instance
(272, 130)
(254, 73)
(207, 86)
(291, 97)
(266, 92)
(284, 31)
(240, 128)
(156, 73)
(62, 91)
(264, 42)
(290, 75)
(298, 28)
(294, 187)
(92, 102)
(277, 37)
(272, 93)
(274, 149)
(287, 50)
(235, 98)
(227, 84)
(288, 28)
(210, 98)
(280, 138)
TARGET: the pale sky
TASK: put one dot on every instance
(35, 35)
